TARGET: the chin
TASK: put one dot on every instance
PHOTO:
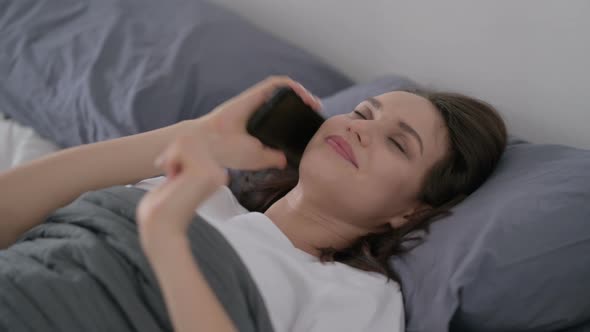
(319, 167)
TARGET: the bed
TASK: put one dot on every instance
(77, 72)
(21, 144)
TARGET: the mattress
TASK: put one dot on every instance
(20, 144)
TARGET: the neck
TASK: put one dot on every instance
(308, 226)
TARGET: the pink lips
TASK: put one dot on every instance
(342, 147)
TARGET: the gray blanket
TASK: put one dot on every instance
(84, 270)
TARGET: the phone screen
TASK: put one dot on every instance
(285, 122)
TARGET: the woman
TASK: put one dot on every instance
(409, 158)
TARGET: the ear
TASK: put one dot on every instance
(401, 219)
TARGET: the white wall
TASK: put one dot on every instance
(530, 58)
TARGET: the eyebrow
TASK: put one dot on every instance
(376, 103)
(404, 126)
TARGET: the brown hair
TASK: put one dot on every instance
(477, 138)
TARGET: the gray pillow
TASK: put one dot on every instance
(514, 256)
(585, 327)
(346, 100)
(85, 71)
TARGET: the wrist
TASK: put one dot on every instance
(172, 218)
(157, 243)
(203, 130)
(201, 127)
(192, 127)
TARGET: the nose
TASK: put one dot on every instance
(360, 130)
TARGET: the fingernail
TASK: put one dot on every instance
(159, 161)
(306, 91)
(319, 101)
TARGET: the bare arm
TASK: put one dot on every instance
(163, 216)
(30, 192)
(192, 304)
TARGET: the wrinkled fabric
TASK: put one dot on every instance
(83, 270)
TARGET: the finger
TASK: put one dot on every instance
(163, 158)
(175, 168)
(168, 162)
(175, 195)
(262, 91)
(273, 158)
(310, 99)
(159, 161)
(172, 187)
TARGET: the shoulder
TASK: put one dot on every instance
(356, 300)
(356, 283)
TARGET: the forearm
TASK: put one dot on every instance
(31, 191)
(190, 301)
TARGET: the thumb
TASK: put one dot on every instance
(274, 158)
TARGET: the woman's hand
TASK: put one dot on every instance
(231, 145)
(195, 163)
(191, 176)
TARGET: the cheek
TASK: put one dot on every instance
(386, 187)
(313, 161)
(390, 187)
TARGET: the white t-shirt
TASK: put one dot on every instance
(301, 293)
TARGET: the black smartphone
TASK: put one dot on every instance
(286, 123)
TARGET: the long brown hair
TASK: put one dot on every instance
(477, 138)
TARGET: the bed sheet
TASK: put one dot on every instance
(20, 144)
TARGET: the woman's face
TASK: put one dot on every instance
(402, 137)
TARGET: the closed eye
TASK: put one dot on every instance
(399, 146)
(361, 114)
